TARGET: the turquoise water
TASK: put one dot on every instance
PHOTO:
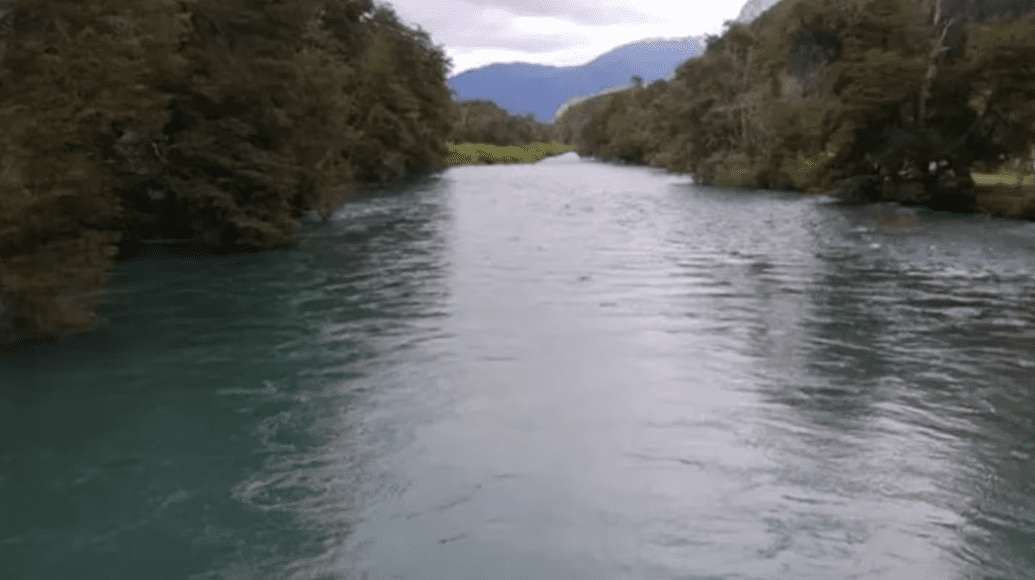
(563, 370)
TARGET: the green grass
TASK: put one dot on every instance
(1002, 178)
(998, 195)
(482, 154)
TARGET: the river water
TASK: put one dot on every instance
(569, 370)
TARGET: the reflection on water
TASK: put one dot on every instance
(567, 370)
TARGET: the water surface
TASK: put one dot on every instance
(566, 370)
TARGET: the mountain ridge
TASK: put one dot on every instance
(752, 9)
(522, 88)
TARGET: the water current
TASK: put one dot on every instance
(569, 370)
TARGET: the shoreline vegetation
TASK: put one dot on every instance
(1007, 194)
(909, 101)
(484, 133)
(483, 154)
(211, 123)
(217, 121)
(221, 123)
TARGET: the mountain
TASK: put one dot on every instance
(523, 88)
(753, 9)
(571, 102)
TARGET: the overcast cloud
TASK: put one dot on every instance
(558, 32)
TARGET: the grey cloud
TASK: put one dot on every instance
(517, 41)
(465, 27)
(586, 13)
(474, 24)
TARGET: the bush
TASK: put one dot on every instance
(221, 121)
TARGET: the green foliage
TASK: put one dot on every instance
(482, 154)
(216, 120)
(613, 126)
(1003, 94)
(74, 77)
(891, 99)
(483, 121)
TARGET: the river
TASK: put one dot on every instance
(570, 370)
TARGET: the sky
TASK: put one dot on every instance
(475, 33)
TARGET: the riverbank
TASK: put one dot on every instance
(477, 349)
(880, 100)
(124, 128)
(998, 194)
(484, 154)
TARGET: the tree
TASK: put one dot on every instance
(219, 121)
(894, 99)
(75, 80)
(482, 121)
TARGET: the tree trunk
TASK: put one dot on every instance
(937, 48)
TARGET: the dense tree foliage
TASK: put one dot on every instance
(875, 99)
(482, 121)
(216, 120)
(615, 126)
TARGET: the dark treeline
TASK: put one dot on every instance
(872, 99)
(221, 121)
(481, 121)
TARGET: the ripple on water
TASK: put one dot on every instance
(574, 370)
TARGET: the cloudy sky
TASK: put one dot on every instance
(558, 32)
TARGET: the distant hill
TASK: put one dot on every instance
(523, 88)
(571, 102)
(752, 9)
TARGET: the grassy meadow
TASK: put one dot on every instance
(998, 194)
(483, 154)
(1005, 178)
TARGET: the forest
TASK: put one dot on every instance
(482, 121)
(484, 133)
(223, 122)
(219, 121)
(892, 100)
